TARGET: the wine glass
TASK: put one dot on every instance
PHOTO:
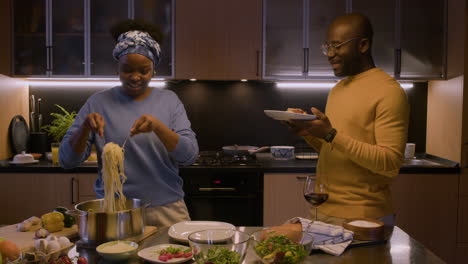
(315, 194)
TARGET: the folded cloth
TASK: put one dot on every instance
(332, 239)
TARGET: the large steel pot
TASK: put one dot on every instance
(96, 226)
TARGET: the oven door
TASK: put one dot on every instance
(227, 196)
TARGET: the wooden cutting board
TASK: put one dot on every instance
(25, 240)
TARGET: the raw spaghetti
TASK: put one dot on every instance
(113, 177)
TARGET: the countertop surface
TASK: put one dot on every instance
(399, 248)
(423, 163)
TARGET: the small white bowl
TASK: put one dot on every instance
(110, 251)
(282, 152)
(49, 156)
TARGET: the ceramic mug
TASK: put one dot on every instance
(410, 150)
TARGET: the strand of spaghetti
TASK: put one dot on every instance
(113, 177)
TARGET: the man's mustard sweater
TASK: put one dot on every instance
(370, 111)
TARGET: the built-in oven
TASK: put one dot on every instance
(225, 191)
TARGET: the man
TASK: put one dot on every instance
(362, 136)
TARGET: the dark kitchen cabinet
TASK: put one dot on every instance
(33, 194)
(72, 38)
(409, 37)
(426, 208)
(218, 40)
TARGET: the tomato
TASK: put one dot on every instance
(82, 260)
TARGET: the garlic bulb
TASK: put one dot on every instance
(53, 246)
(41, 233)
(64, 241)
(24, 226)
(41, 245)
(34, 220)
(51, 238)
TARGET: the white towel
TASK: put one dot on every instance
(332, 239)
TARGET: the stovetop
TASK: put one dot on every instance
(218, 158)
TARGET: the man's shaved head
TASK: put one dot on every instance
(353, 25)
(349, 40)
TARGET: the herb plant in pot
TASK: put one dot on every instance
(58, 128)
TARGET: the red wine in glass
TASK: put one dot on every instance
(316, 199)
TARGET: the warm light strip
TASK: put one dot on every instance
(82, 82)
(309, 85)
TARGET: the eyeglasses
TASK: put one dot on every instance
(325, 47)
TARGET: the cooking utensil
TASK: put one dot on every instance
(33, 113)
(125, 141)
(237, 150)
(39, 115)
(19, 134)
(97, 226)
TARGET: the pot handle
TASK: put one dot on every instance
(75, 212)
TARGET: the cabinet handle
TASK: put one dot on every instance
(73, 190)
(201, 189)
(303, 178)
(48, 59)
(258, 63)
(397, 62)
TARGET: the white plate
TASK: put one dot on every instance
(285, 115)
(307, 156)
(182, 230)
(151, 254)
(23, 163)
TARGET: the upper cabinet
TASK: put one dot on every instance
(72, 38)
(218, 40)
(409, 37)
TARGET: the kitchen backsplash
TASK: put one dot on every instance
(225, 112)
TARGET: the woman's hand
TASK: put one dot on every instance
(95, 123)
(144, 124)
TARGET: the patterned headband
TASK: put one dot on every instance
(138, 42)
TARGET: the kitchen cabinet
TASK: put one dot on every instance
(283, 197)
(403, 45)
(86, 186)
(218, 40)
(33, 194)
(426, 206)
(72, 38)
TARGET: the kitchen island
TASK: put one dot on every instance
(400, 248)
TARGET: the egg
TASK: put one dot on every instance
(53, 246)
(9, 250)
(64, 241)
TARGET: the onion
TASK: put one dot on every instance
(64, 241)
(24, 226)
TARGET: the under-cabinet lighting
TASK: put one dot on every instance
(311, 85)
(243, 80)
(69, 82)
(192, 80)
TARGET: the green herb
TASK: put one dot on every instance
(280, 249)
(174, 250)
(60, 124)
(219, 255)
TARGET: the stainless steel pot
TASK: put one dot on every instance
(96, 226)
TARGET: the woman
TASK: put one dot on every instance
(160, 134)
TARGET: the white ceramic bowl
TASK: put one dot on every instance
(282, 152)
(117, 250)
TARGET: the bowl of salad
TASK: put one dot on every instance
(217, 246)
(274, 247)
